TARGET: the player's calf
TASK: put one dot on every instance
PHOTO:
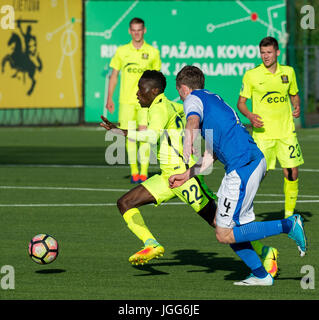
(134, 198)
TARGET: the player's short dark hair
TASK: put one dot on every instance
(156, 78)
(137, 21)
(192, 77)
(269, 41)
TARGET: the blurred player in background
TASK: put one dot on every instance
(273, 88)
(165, 126)
(132, 60)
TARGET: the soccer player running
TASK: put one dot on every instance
(245, 168)
(131, 60)
(166, 126)
(272, 87)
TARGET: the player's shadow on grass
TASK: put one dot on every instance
(289, 278)
(207, 262)
(50, 271)
(278, 215)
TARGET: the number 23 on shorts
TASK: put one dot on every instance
(294, 151)
(293, 156)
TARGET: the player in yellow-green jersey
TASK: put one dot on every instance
(131, 60)
(166, 120)
(273, 89)
(166, 127)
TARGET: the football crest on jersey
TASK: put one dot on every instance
(144, 55)
(284, 78)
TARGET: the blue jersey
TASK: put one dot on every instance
(221, 128)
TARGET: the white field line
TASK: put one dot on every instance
(124, 190)
(63, 188)
(107, 166)
(64, 166)
(282, 195)
(114, 204)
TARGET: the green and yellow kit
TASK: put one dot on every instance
(131, 63)
(270, 95)
(166, 123)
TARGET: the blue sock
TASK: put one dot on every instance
(246, 252)
(258, 230)
(286, 225)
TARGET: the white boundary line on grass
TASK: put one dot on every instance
(125, 190)
(114, 204)
(107, 166)
(63, 188)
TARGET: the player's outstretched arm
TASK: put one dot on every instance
(177, 180)
(108, 125)
(191, 131)
(202, 164)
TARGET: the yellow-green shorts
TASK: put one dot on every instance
(194, 192)
(287, 151)
(131, 116)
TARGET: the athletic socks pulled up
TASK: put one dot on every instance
(259, 230)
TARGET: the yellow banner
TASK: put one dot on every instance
(41, 54)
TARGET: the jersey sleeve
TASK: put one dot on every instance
(179, 108)
(193, 106)
(245, 90)
(293, 88)
(116, 61)
(148, 135)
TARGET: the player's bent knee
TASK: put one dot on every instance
(224, 235)
(291, 174)
(135, 198)
(124, 204)
(120, 205)
(220, 238)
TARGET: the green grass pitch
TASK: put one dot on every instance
(55, 181)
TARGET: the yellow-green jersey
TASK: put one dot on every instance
(270, 100)
(166, 124)
(132, 62)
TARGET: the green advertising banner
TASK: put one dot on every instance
(220, 37)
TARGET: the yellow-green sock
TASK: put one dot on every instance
(291, 194)
(258, 247)
(137, 225)
(144, 152)
(131, 148)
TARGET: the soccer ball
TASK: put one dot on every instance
(43, 249)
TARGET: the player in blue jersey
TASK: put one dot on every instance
(245, 167)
